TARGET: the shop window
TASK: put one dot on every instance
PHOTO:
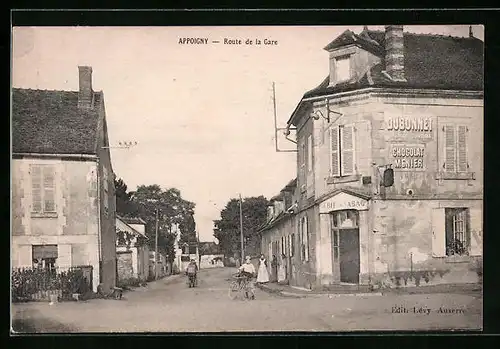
(342, 150)
(345, 219)
(335, 244)
(457, 232)
(45, 256)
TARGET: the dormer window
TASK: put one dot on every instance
(343, 68)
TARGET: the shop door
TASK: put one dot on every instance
(345, 246)
(349, 255)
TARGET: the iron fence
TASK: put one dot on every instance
(39, 284)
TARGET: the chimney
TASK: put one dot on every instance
(471, 34)
(394, 52)
(85, 93)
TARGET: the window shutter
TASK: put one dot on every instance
(105, 178)
(334, 151)
(36, 188)
(306, 236)
(462, 148)
(302, 174)
(476, 231)
(438, 233)
(309, 153)
(48, 189)
(449, 148)
(347, 149)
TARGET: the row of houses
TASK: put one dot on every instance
(63, 193)
(389, 182)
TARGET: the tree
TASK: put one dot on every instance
(172, 209)
(124, 206)
(227, 229)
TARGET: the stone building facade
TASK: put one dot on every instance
(412, 104)
(63, 196)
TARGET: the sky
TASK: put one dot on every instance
(202, 115)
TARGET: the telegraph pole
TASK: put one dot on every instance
(241, 230)
(156, 246)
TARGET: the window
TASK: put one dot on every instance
(457, 232)
(335, 244)
(455, 148)
(343, 68)
(304, 235)
(309, 153)
(43, 189)
(342, 152)
(292, 245)
(44, 256)
(106, 187)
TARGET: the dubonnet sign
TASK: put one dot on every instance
(343, 201)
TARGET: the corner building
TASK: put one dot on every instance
(410, 102)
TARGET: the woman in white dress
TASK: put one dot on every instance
(262, 275)
(282, 269)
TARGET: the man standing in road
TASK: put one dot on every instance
(191, 271)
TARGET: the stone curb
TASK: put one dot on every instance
(315, 295)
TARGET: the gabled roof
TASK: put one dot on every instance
(133, 220)
(361, 193)
(273, 222)
(50, 122)
(430, 61)
(349, 38)
(121, 225)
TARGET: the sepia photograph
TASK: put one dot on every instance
(182, 179)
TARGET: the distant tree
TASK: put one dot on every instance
(227, 229)
(124, 205)
(172, 209)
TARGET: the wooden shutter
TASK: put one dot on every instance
(302, 177)
(476, 231)
(105, 183)
(36, 188)
(462, 165)
(49, 204)
(438, 233)
(306, 236)
(334, 151)
(347, 149)
(309, 153)
(449, 148)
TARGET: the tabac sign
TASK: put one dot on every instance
(343, 201)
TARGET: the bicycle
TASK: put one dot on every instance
(241, 286)
(192, 280)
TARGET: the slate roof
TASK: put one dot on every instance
(50, 122)
(431, 61)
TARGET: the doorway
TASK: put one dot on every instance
(345, 246)
(349, 255)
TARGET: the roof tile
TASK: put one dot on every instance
(431, 61)
(50, 122)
